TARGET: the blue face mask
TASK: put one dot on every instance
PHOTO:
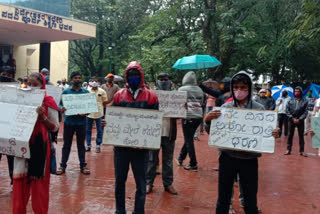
(134, 82)
(47, 78)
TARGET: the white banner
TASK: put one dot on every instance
(55, 92)
(244, 129)
(133, 127)
(172, 103)
(315, 125)
(80, 103)
(17, 119)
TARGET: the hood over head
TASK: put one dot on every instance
(189, 78)
(250, 85)
(134, 65)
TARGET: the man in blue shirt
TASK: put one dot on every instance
(74, 124)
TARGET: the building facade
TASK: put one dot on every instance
(36, 34)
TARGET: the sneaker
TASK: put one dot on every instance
(287, 153)
(85, 171)
(88, 149)
(179, 162)
(60, 171)
(191, 168)
(98, 150)
(303, 154)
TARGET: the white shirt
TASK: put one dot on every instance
(283, 104)
(316, 109)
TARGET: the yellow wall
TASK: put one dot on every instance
(26, 63)
(59, 61)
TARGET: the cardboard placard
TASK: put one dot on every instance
(133, 127)
(80, 103)
(55, 92)
(17, 119)
(244, 129)
(172, 103)
(315, 125)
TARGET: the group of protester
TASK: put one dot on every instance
(33, 178)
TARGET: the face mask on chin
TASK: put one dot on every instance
(47, 78)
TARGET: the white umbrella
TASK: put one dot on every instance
(117, 78)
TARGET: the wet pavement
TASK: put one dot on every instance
(287, 184)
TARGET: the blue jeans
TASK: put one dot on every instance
(139, 161)
(68, 132)
(99, 131)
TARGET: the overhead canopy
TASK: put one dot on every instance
(21, 26)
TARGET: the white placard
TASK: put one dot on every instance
(55, 92)
(132, 127)
(244, 129)
(80, 103)
(315, 125)
(172, 103)
(17, 119)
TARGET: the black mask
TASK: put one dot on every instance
(164, 85)
(76, 83)
(5, 79)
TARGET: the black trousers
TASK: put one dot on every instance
(292, 127)
(247, 169)
(68, 133)
(189, 127)
(283, 120)
(167, 147)
(138, 159)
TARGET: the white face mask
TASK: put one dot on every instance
(94, 84)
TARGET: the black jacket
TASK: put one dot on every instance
(297, 108)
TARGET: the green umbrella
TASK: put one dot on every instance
(196, 62)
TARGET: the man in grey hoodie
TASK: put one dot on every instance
(232, 162)
(195, 99)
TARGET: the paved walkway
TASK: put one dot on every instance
(287, 184)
